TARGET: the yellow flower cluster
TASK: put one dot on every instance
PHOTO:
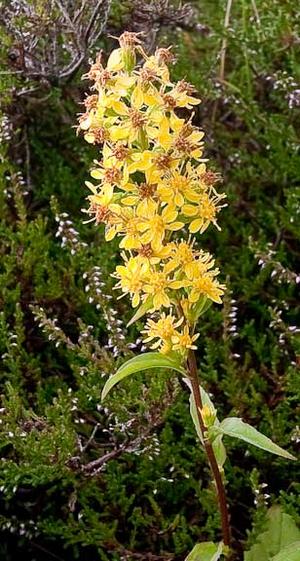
(152, 181)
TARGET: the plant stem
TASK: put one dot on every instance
(224, 42)
(193, 375)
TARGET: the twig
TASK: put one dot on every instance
(71, 35)
(27, 159)
(69, 70)
(222, 58)
(96, 464)
(148, 556)
(96, 33)
(90, 440)
(92, 20)
(41, 548)
(67, 18)
(80, 11)
(255, 10)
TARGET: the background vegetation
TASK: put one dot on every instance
(127, 480)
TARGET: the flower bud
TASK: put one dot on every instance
(208, 415)
(128, 43)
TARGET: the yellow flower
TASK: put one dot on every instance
(183, 341)
(147, 254)
(201, 263)
(125, 56)
(109, 173)
(121, 85)
(134, 126)
(205, 212)
(186, 306)
(142, 195)
(129, 228)
(141, 161)
(132, 278)
(100, 204)
(152, 181)
(163, 134)
(182, 138)
(187, 143)
(158, 286)
(95, 126)
(176, 189)
(182, 93)
(178, 96)
(115, 61)
(118, 154)
(145, 93)
(208, 286)
(154, 225)
(181, 255)
(157, 63)
(163, 330)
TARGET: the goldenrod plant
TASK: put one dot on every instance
(154, 192)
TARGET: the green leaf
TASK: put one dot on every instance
(139, 363)
(281, 533)
(235, 427)
(289, 553)
(206, 551)
(217, 444)
(141, 311)
(193, 410)
(200, 308)
(219, 451)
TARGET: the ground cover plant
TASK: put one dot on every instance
(149, 494)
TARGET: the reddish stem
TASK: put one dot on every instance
(193, 375)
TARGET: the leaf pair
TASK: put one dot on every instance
(232, 426)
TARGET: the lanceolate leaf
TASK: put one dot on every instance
(141, 311)
(206, 551)
(235, 427)
(139, 363)
(219, 450)
(202, 306)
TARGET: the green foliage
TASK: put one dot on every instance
(147, 361)
(236, 428)
(206, 551)
(279, 541)
(213, 423)
(60, 338)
